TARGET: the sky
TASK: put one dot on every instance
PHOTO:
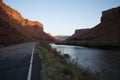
(63, 17)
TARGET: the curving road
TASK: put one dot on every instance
(20, 62)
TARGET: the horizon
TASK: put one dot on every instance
(63, 17)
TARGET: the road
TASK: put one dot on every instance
(20, 62)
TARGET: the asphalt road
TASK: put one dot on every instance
(15, 63)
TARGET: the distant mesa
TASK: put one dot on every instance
(15, 29)
(61, 37)
(105, 34)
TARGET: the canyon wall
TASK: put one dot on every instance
(15, 29)
(106, 33)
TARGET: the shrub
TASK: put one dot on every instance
(68, 71)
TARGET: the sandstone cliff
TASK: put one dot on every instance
(77, 34)
(16, 29)
(106, 33)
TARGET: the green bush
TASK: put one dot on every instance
(68, 71)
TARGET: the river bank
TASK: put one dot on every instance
(57, 67)
(93, 45)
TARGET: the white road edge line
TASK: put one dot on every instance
(30, 67)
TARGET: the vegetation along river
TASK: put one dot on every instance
(104, 62)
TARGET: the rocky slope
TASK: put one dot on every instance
(106, 33)
(16, 29)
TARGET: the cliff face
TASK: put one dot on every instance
(105, 33)
(15, 29)
(77, 34)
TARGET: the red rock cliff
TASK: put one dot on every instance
(77, 34)
(107, 32)
(16, 29)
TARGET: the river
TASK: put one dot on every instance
(105, 62)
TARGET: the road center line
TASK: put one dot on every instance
(30, 67)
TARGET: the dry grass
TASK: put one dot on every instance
(57, 67)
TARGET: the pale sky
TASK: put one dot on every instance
(62, 17)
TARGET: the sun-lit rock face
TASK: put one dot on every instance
(16, 29)
(16, 16)
(106, 32)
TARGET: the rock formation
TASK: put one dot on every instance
(16, 29)
(61, 37)
(106, 33)
(77, 33)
